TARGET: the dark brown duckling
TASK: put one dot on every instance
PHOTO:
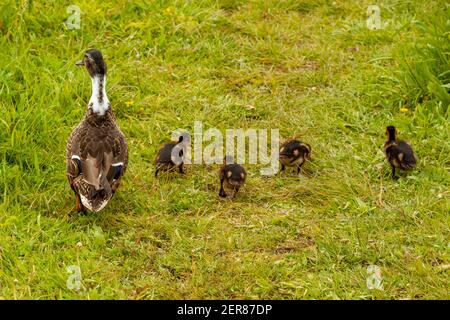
(294, 153)
(398, 152)
(232, 177)
(171, 156)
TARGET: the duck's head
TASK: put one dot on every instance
(94, 63)
(391, 133)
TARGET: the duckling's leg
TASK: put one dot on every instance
(222, 192)
(393, 172)
(282, 168)
(156, 172)
(235, 191)
(299, 169)
(180, 168)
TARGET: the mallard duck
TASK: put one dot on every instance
(97, 151)
(172, 155)
(398, 152)
(294, 153)
(232, 177)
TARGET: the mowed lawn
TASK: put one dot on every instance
(305, 67)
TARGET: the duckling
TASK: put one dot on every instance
(96, 151)
(172, 155)
(294, 153)
(398, 152)
(232, 178)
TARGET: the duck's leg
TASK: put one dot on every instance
(156, 172)
(79, 204)
(180, 168)
(393, 172)
(299, 169)
(235, 191)
(222, 191)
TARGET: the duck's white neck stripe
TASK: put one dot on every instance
(99, 100)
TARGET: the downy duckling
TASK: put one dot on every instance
(293, 153)
(172, 155)
(232, 177)
(399, 153)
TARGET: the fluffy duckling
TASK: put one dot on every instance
(96, 151)
(232, 177)
(294, 153)
(172, 155)
(399, 153)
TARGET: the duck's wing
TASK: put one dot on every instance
(165, 153)
(73, 162)
(293, 150)
(406, 155)
(116, 165)
(96, 161)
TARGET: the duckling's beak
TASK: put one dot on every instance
(79, 63)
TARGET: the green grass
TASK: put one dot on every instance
(306, 67)
(424, 65)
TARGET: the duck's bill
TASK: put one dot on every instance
(79, 63)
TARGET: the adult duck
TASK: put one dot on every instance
(97, 151)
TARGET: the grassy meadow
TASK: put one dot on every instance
(305, 67)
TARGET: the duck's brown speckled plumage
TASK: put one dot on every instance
(99, 143)
(96, 158)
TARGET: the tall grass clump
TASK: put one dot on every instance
(424, 73)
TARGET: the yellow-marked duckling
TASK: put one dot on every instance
(172, 155)
(398, 152)
(232, 178)
(294, 153)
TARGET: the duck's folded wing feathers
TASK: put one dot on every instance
(95, 154)
(408, 158)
